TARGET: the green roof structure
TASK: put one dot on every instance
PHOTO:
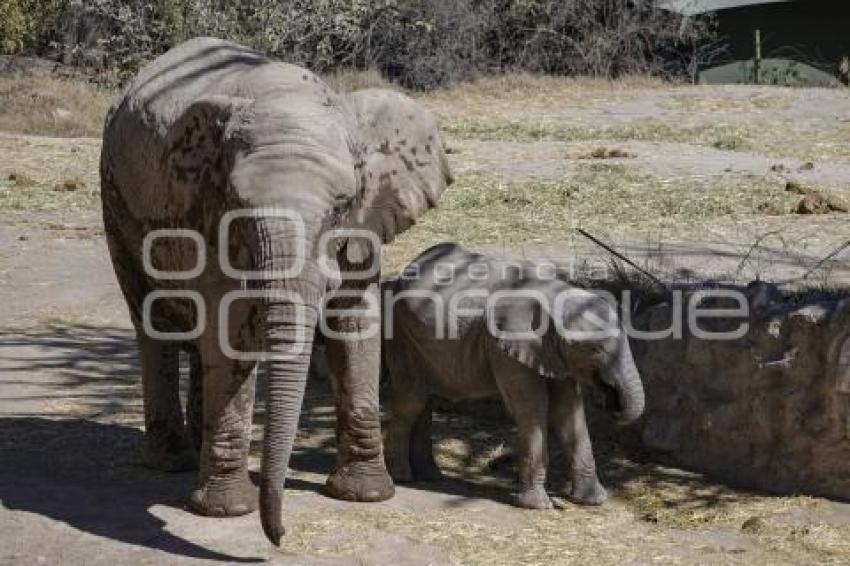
(802, 42)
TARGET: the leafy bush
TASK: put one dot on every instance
(22, 22)
(421, 44)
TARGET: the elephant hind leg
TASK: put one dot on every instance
(566, 416)
(526, 397)
(195, 399)
(167, 446)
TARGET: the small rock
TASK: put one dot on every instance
(807, 166)
(812, 204)
(753, 525)
(777, 168)
(23, 238)
(796, 188)
(817, 204)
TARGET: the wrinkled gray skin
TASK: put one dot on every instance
(539, 379)
(211, 127)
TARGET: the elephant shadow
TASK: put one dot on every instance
(83, 473)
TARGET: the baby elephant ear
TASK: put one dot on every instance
(404, 166)
(198, 148)
(517, 323)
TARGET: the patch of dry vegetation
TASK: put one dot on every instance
(69, 198)
(717, 99)
(720, 136)
(52, 107)
(601, 197)
(603, 152)
(501, 97)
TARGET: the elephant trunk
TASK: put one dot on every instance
(291, 317)
(626, 380)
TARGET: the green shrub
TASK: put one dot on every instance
(22, 22)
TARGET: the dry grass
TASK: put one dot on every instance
(25, 199)
(603, 152)
(601, 197)
(715, 100)
(648, 129)
(501, 97)
(54, 107)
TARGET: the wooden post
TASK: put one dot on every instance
(756, 55)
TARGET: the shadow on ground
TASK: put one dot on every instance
(84, 474)
(88, 474)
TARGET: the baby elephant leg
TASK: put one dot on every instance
(525, 395)
(566, 416)
(407, 407)
(422, 449)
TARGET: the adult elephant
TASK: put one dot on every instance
(254, 163)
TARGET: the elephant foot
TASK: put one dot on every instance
(169, 452)
(533, 498)
(231, 496)
(361, 481)
(587, 491)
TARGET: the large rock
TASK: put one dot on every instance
(770, 410)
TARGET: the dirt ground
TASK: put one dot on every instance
(698, 191)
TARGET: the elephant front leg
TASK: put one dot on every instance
(568, 421)
(354, 358)
(526, 398)
(224, 486)
(167, 446)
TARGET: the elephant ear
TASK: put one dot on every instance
(514, 316)
(404, 168)
(198, 150)
(568, 349)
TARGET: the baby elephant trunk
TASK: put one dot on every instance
(623, 376)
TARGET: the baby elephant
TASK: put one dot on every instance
(463, 325)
